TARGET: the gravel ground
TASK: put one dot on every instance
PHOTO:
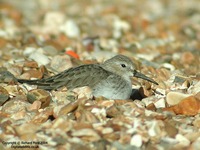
(41, 38)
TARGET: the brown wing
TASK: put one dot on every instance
(85, 75)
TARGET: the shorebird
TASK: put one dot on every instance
(110, 79)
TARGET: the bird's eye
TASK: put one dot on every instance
(123, 65)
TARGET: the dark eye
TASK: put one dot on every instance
(123, 65)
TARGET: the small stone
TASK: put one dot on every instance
(144, 92)
(61, 63)
(87, 134)
(83, 92)
(27, 131)
(42, 116)
(195, 88)
(192, 136)
(119, 27)
(14, 70)
(40, 95)
(174, 98)
(154, 128)
(114, 111)
(40, 58)
(107, 130)
(14, 106)
(50, 50)
(53, 46)
(170, 129)
(180, 79)
(185, 85)
(183, 141)
(160, 103)
(189, 106)
(12, 90)
(139, 103)
(136, 140)
(7, 77)
(52, 26)
(197, 96)
(105, 103)
(62, 124)
(71, 29)
(35, 106)
(64, 110)
(151, 107)
(29, 50)
(187, 58)
(4, 96)
(196, 144)
(33, 74)
(31, 64)
(3, 42)
(169, 66)
(196, 122)
(85, 116)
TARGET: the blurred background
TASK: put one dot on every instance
(164, 31)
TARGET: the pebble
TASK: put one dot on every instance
(179, 79)
(174, 98)
(170, 128)
(119, 27)
(28, 51)
(61, 63)
(57, 17)
(12, 90)
(107, 130)
(101, 56)
(183, 141)
(7, 77)
(90, 134)
(27, 131)
(160, 103)
(39, 95)
(40, 58)
(168, 66)
(195, 88)
(52, 21)
(154, 128)
(136, 140)
(31, 64)
(50, 50)
(32, 74)
(189, 106)
(35, 106)
(151, 107)
(196, 144)
(14, 70)
(196, 122)
(71, 29)
(3, 95)
(36, 55)
(14, 106)
(187, 58)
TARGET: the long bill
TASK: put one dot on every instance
(142, 76)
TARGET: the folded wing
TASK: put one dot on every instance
(85, 75)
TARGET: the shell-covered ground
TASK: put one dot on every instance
(41, 38)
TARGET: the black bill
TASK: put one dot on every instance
(142, 76)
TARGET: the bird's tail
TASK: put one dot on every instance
(40, 83)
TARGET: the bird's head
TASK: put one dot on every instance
(124, 67)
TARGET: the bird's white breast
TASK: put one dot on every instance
(114, 87)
